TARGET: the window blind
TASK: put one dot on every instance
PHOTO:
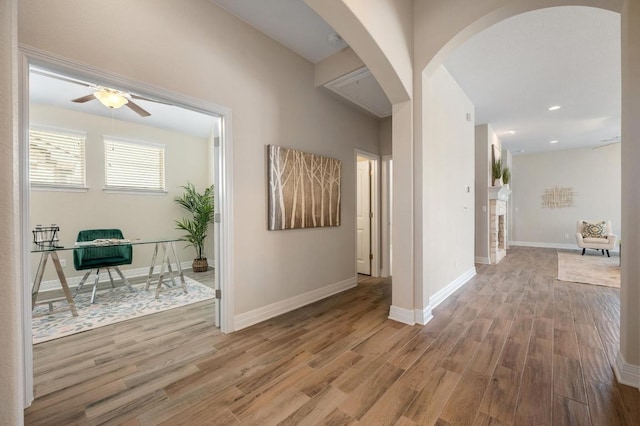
(56, 158)
(131, 165)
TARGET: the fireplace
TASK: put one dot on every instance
(498, 219)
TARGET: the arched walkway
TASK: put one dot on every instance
(436, 29)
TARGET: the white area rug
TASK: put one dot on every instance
(589, 269)
(112, 306)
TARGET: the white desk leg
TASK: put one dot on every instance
(164, 256)
(153, 264)
(38, 280)
(175, 255)
(63, 283)
(169, 268)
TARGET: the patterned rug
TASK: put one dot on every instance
(114, 305)
(589, 269)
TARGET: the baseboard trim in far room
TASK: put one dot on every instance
(264, 313)
(627, 374)
(561, 246)
(483, 260)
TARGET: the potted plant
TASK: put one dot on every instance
(496, 172)
(201, 207)
(506, 176)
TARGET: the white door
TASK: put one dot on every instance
(363, 216)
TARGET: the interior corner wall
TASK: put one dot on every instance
(482, 184)
(594, 175)
(448, 183)
(385, 136)
(197, 49)
(138, 215)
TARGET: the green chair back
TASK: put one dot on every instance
(101, 257)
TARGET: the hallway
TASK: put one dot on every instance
(512, 346)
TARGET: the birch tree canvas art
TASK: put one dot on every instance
(304, 189)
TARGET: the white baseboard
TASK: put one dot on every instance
(402, 315)
(627, 374)
(273, 310)
(423, 316)
(50, 285)
(483, 260)
(563, 246)
(437, 298)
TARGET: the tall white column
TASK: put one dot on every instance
(402, 296)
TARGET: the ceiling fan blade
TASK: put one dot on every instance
(138, 109)
(84, 99)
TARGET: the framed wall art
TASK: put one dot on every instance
(304, 189)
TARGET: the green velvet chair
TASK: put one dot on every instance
(98, 258)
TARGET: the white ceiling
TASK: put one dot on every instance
(289, 22)
(568, 56)
(512, 72)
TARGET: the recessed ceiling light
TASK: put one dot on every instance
(512, 131)
(553, 141)
(554, 108)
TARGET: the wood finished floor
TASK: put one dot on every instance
(513, 346)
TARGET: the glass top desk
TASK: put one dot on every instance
(46, 251)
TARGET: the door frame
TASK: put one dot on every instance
(375, 208)
(386, 200)
(223, 179)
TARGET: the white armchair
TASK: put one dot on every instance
(595, 235)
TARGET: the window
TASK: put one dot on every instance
(56, 158)
(133, 166)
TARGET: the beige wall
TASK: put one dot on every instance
(448, 184)
(594, 174)
(140, 216)
(204, 52)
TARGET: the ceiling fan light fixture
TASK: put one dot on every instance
(110, 99)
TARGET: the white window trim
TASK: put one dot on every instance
(112, 189)
(37, 186)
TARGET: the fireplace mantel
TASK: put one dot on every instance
(499, 193)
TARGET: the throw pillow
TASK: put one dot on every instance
(594, 230)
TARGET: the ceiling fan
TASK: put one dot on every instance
(109, 97)
(113, 98)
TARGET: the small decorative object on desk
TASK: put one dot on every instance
(46, 236)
